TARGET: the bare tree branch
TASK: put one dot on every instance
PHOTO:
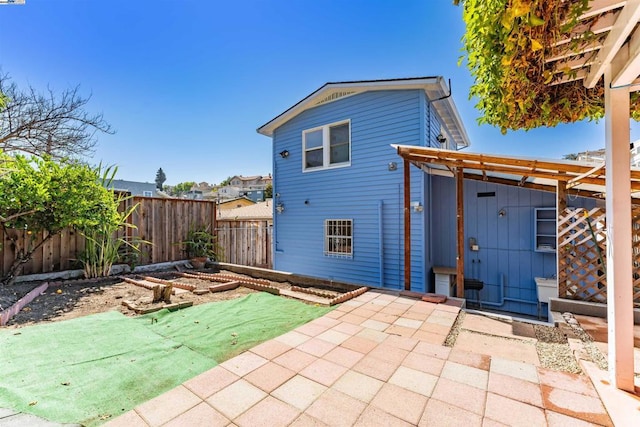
(46, 123)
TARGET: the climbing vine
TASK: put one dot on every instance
(512, 48)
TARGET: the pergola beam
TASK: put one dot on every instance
(631, 69)
(626, 22)
(575, 181)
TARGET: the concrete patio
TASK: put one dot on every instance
(378, 360)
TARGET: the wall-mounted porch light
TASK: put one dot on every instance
(280, 208)
(441, 138)
(284, 154)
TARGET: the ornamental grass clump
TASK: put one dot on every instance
(107, 242)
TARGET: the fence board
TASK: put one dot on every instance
(164, 222)
(245, 242)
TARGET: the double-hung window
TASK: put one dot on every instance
(327, 146)
(338, 238)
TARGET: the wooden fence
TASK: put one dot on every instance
(582, 255)
(162, 222)
(245, 242)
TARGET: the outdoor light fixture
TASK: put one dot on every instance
(392, 166)
(441, 138)
(280, 208)
(502, 213)
(284, 154)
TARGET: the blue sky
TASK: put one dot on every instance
(186, 83)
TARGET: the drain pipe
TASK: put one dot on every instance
(504, 299)
(380, 245)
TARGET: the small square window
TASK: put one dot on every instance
(147, 193)
(338, 238)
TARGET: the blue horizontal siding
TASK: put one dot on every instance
(378, 119)
(506, 243)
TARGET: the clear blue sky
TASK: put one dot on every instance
(186, 83)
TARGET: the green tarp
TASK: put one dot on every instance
(94, 368)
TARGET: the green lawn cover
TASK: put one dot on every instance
(80, 370)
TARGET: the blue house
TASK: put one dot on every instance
(339, 205)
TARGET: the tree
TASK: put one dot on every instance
(46, 123)
(268, 191)
(226, 182)
(160, 179)
(181, 188)
(40, 197)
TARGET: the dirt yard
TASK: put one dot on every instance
(76, 298)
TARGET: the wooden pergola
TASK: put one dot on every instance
(612, 58)
(562, 177)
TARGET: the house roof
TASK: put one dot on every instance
(435, 88)
(133, 187)
(586, 178)
(249, 178)
(235, 199)
(262, 210)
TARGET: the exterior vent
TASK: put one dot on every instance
(487, 194)
(334, 96)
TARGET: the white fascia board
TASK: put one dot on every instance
(428, 84)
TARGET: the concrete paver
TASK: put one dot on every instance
(460, 395)
(357, 366)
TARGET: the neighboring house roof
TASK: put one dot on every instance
(133, 187)
(435, 88)
(262, 211)
(599, 155)
(225, 205)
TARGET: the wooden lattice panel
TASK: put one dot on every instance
(582, 255)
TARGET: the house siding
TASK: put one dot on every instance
(378, 119)
(506, 243)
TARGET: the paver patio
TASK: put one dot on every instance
(366, 363)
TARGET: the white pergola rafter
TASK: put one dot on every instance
(625, 24)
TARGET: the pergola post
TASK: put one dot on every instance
(619, 246)
(460, 232)
(407, 226)
(561, 205)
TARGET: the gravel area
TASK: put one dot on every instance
(552, 346)
(554, 351)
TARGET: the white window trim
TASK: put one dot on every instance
(331, 254)
(326, 152)
(146, 193)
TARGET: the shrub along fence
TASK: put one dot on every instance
(163, 223)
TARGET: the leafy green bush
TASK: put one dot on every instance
(43, 197)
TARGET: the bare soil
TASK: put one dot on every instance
(76, 298)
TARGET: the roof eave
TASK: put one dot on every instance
(434, 87)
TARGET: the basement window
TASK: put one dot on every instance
(338, 238)
(327, 146)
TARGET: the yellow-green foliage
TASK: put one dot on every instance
(507, 41)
